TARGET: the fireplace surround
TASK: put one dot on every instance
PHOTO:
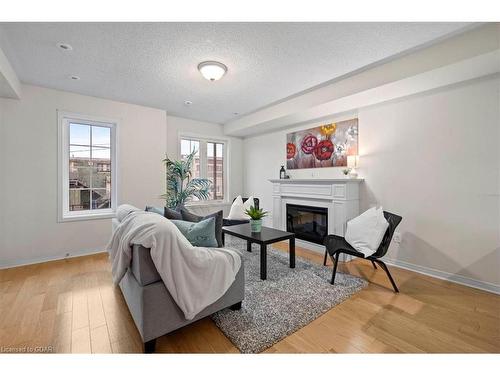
(339, 198)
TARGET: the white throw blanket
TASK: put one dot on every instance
(195, 276)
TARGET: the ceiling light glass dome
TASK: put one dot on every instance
(212, 70)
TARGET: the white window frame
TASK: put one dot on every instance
(203, 139)
(63, 119)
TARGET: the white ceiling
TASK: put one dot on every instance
(155, 64)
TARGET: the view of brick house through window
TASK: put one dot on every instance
(89, 167)
(209, 165)
(215, 169)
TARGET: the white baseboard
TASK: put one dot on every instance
(74, 254)
(454, 278)
(451, 277)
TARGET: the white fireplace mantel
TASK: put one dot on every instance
(340, 196)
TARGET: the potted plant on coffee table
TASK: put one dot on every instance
(256, 215)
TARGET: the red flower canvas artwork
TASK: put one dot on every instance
(309, 143)
(324, 150)
(290, 150)
(326, 145)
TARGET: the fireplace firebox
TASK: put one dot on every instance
(309, 223)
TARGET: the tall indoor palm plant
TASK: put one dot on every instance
(180, 185)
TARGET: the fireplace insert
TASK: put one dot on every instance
(307, 222)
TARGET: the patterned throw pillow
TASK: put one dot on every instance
(201, 233)
(188, 216)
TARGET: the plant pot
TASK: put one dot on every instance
(256, 225)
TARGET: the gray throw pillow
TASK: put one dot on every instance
(172, 214)
(218, 216)
(156, 210)
(201, 233)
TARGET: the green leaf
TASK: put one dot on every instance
(180, 186)
(256, 213)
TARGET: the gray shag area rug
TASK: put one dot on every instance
(288, 300)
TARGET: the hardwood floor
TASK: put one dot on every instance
(72, 306)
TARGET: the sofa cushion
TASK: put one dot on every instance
(201, 233)
(172, 214)
(156, 210)
(238, 208)
(143, 267)
(188, 216)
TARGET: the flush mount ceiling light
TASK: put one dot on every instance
(212, 70)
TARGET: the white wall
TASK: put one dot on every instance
(10, 87)
(433, 158)
(29, 168)
(175, 125)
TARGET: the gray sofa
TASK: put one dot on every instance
(153, 309)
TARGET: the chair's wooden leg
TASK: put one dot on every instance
(384, 266)
(149, 347)
(374, 265)
(324, 260)
(337, 256)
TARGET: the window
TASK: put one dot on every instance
(188, 146)
(87, 167)
(215, 169)
(209, 162)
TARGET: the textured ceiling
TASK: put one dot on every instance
(155, 64)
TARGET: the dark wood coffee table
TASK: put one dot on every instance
(265, 237)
